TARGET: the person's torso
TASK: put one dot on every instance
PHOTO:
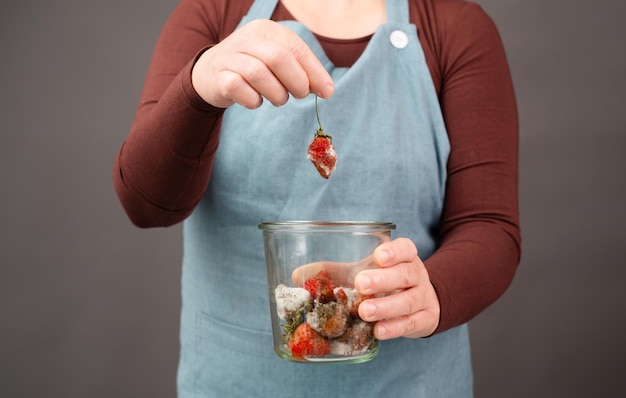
(392, 150)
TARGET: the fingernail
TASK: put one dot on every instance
(381, 331)
(383, 256)
(328, 90)
(368, 309)
(363, 283)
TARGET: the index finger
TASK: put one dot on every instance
(394, 252)
(320, 82)
(292, 61)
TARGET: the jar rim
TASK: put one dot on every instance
(367, 225)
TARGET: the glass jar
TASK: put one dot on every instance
(311, 267)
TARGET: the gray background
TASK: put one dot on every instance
(89, 304)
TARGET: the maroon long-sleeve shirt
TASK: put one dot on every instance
(164, 165)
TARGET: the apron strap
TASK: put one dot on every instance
(398, 13)
(261, 9)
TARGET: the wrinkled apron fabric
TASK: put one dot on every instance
(392, 151)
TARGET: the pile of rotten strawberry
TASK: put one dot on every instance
(322, 319)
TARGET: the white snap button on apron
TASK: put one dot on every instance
(399, 39)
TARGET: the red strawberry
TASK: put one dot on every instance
(321, 287)
(307, 342)
(321, 151)
(322, 154)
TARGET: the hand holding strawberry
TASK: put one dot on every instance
(262, 60)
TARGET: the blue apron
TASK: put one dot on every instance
(392, 151)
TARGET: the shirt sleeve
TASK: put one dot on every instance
(480, 234)
(165, 163)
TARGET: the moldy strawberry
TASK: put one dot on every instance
(321, 151)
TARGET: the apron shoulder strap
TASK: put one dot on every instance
(398, 11)
(261, 9)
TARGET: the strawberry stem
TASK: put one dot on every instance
(320, 132)
(317, 114)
